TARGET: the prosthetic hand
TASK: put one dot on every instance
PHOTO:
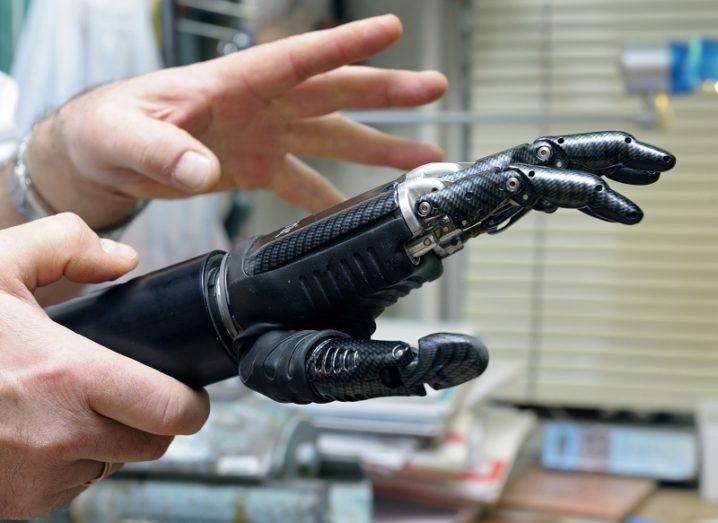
(294, 310)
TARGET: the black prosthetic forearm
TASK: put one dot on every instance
(294, 310)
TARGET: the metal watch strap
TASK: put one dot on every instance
(31, 204)
(22, 192)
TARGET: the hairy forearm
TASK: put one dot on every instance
(60, 185)
(58, 181)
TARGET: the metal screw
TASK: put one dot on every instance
(398, 352)
(513, 184)
(424, 208)
(427, 241)
(543, 153)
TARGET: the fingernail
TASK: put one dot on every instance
(392, 20)
(118, 249)
(435, 152)
(435, 77)
(192, 170)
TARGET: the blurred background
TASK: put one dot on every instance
(601, 402)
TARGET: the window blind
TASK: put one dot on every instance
(601, 315)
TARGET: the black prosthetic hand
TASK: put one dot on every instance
(294, 310)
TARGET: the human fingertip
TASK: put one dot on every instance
(435, 79)
(434, 152)
(193, 171)
(392, 21)
(121, 250)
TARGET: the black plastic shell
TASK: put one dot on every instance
(343, 285)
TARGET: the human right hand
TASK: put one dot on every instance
(240, 121)
(68, 405)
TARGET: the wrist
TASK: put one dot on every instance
(66, 189)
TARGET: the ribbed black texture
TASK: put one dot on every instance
(317, 234)
(353, 369)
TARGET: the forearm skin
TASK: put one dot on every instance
(59, 183)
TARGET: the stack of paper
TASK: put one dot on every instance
(469, 467)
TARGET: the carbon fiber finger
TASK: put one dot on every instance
(631, 176)
(580, 190)
(612, 206)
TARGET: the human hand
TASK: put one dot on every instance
(67, 404)
(239, 121)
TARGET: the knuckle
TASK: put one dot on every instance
(50, 446)
(69, 221)
(90, 116)
(148, 160)
(54, 376)
(72, 227)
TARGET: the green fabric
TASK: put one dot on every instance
(7, 45)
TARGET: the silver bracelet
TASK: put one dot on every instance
(31, 204)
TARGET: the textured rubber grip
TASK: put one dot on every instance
(275, 364)
(291, 247)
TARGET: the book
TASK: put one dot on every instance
(669, 454)
(575, 494)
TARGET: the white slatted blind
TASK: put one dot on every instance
(600, 314)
